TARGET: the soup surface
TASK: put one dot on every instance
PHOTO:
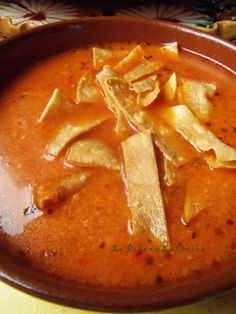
(88, 236)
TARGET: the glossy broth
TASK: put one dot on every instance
(88, 238)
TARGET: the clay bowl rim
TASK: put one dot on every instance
(89, 297)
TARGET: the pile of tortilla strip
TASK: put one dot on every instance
(128, 85)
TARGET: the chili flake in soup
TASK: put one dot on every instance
(118, 165)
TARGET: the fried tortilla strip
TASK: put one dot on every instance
(192, 207)
(171, 48)
(67, 134)
(54, 102)
(72, 183)
(102, 77)
(143, 69)
(134, 57)
(146, 98)
(182, 119)
(46, 196)
(194, 201)
(170, 173)
(103, 56)
(179, 150)
(86, 90)
(170, 87)
(196, 95)
(121, 123)
(144, 190)
(92, 153)
(144, 85)
(118, 91)
(100, 56)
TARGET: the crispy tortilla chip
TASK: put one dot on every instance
(182, 119)
(86, 90)
(67, 134)
(174, 147)
(104, 56)
(71, 183)
(92, 153)
(170, 173)
(121, 123)
(196, 95)
(171, 48)
(146, 98)
(134, 57)
(194, 201)
(118, 91)
(228, 157)
(143, 69)
(123, 100)
(100, 56)
(54, 102)
(144, 190)
(48, 196)
(102, 77)
(192, 207)
(169, 89)
(144, 85)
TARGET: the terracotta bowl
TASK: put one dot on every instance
(18, 53)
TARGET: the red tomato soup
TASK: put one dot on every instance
(94, 231)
